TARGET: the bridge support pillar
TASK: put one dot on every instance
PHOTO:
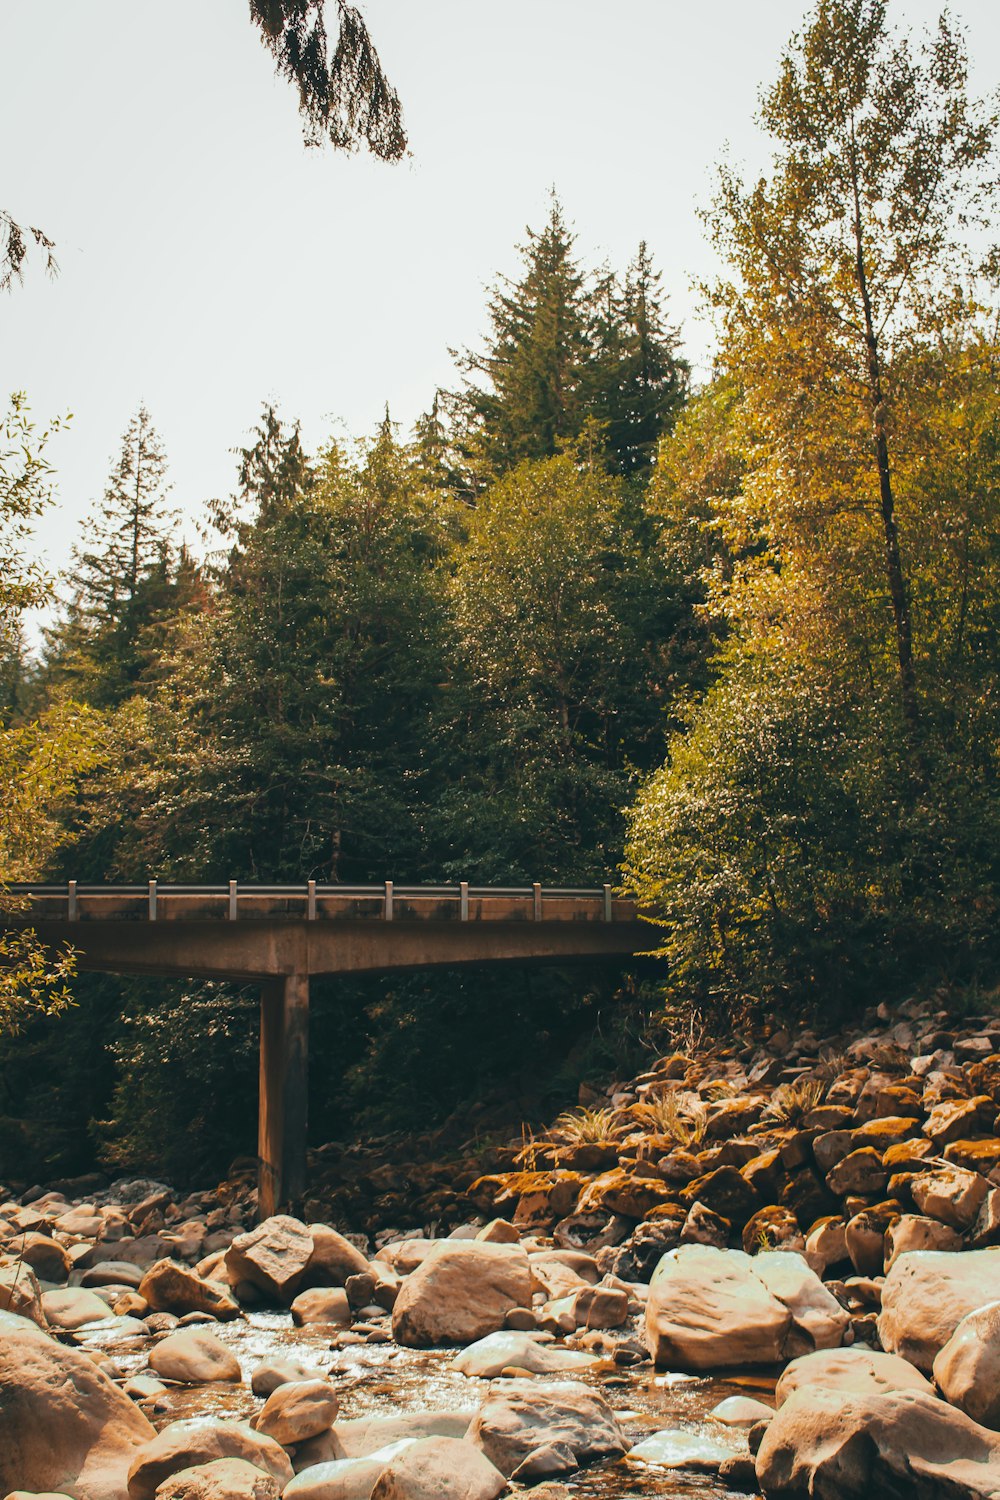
(284, 1070)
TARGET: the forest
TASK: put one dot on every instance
(732, 644)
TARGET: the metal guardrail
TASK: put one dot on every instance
(312, 896)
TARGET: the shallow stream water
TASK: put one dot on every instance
(386, 1380)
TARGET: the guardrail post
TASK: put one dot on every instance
(233, 898)
(607, 903)
(464, 900)
(536, 892)
(388, 901)
(71, 901)
(311, 912)
(152, 900)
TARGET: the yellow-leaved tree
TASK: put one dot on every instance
(41, 760)
(828, 819)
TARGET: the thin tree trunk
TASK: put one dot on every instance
(893, 563)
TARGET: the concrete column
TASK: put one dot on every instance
(283, 1106)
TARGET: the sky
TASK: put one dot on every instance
(209, 262)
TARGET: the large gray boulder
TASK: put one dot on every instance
(828, 1443)
(708, 1310)
(193, 1356)
(967, 1369)
(193, 1442)
(274, 1257)
(857, 1371)
(361, 1437)
(439, 1468)
(64, 1427)
(462, 1290)
(521, 1417)
(926, 1295)
(169, 1287)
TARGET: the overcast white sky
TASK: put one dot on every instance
(210, 262)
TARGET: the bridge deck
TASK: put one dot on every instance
(279, 936)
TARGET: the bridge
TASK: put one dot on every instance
(278, 936)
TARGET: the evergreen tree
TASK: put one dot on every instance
(531, 402)
(119, 577)
(637, 382)
(567, 354)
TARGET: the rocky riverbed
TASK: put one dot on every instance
(771, 1268)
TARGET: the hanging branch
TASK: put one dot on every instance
(15, 242)
(344, 97)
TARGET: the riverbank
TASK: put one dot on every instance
(772, 1268)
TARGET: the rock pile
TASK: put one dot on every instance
(827, 1213)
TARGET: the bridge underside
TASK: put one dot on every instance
(281, 955)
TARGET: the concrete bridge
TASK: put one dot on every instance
(279, 936)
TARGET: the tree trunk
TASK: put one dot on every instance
(893, 563)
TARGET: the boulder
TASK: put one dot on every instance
(824, 1442)
(274, 1257)
(222, 1479)
(365, 1436)
(967, 1368)
(741, 1411)
(169, 1287)
(488, 1357)
(193, 1356)
(954, 1118)
(439, 1468)
(707, 1309)
(826, 1244)
(621, 1192)
(986, 1230)
(772, 1228)
(343, 1478)
(64, 1427)
(725, 1191)
(521, 1417)
(818, 1320)
(297, 1411)
(915, 1232)
(950, 1194)
(860, 1171)
(21, 1294)
(195, 1441)
(864, 1235)
(322, 1304)
(72, 1307)
(926, 1295)
(857, 1370)
(676, 1449)
(333, 1258)
(268, 1376)
(45, 1256)
(463, 1290)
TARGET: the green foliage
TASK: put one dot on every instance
(565, 618)
(185, 1093)
(826, 824)
(126, 581)
(569, 357)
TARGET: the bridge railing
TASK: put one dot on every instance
(316, 901)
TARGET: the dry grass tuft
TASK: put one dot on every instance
(791, 1102)
(681, 1120)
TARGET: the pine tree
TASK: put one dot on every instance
(638, 381)
(118, 578)
(531, 403)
